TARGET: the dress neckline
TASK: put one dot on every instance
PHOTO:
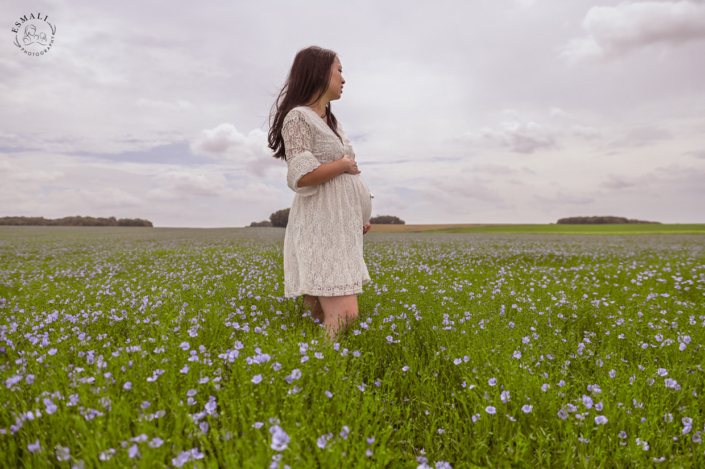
(325, 124)
(309, 108)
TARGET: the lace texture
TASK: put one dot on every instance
(323, 244)
(298, 143)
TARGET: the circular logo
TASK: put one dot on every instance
(34, 35)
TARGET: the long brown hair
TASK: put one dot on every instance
(310, 73)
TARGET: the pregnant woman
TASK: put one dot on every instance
(331, 211)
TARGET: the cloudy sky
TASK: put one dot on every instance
(479, 111)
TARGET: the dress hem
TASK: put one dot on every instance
(355, 291)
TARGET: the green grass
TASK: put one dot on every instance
(544, 317)
(582, 229)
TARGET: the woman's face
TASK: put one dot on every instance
(335, 88)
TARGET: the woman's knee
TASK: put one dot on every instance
(341, 305)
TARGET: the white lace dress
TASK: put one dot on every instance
(323, 239)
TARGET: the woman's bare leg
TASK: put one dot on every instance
(339, 311)
(312, 304)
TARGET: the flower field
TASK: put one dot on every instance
(136, 347)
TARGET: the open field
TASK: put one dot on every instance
(156, 348)
(417, 228)
(550, 229)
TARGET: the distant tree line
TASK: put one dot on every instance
(280, 219)
(602, 221)
(74, 221)
(386, 220)
(261, 224)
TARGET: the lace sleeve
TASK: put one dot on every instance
(298, 146)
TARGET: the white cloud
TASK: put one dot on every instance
(614, 31)
(453, 194)
(108, 198)
(250, 150)
(617, 182)
(586, 132)
(518, 137)
(38, 176)
(386, 201)
(178, 105)
(6, 165)
(185, 183)
(663, 178)
(225, 139)
(565, 198)
(489, 168)
(24, 174)
(511, 114)
(529, 134)
(13, 201)
(697, 154)
(7, 138)
(641, 136)
(188, 184)
(558, 112)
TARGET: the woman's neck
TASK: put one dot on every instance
(319, 108)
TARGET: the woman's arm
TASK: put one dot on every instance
(328, 171)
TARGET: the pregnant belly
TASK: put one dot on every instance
(362, 195)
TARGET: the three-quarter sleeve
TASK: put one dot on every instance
(298, 146)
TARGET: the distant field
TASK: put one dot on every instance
(419, 228)
(549, 229)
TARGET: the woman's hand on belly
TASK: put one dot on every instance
(353, 165)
